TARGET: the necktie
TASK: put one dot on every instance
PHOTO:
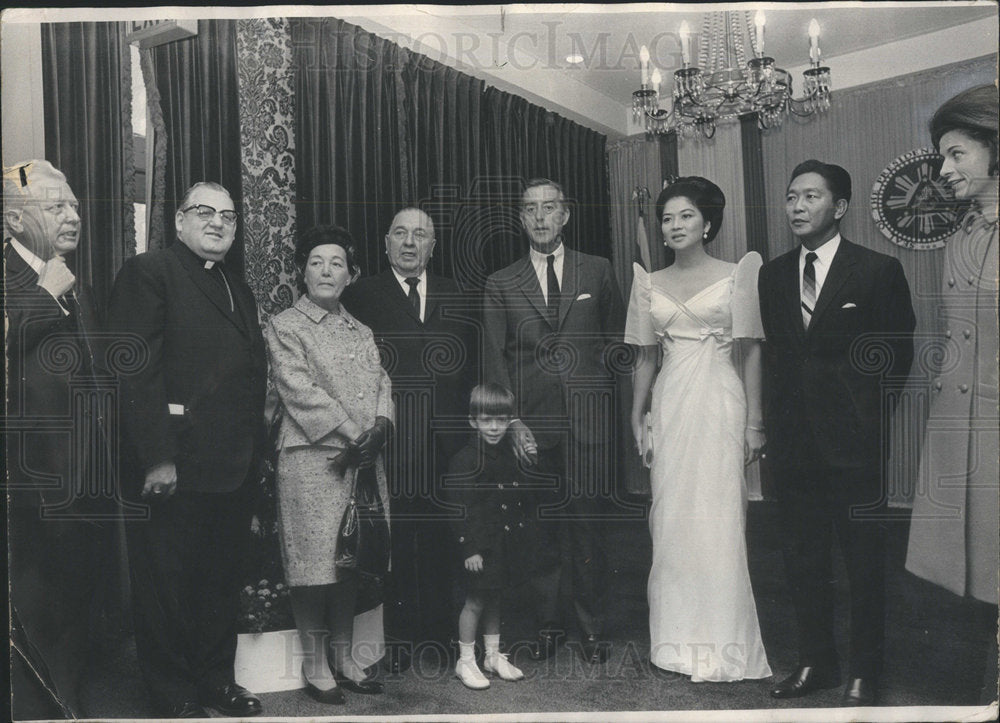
(553, 288)
(808, 289)
(414, 295)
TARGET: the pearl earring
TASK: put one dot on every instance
(704, 236)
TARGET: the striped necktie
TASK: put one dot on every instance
(808, 289)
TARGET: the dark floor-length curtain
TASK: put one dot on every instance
(442, 111)
(379, 127)
(753, 185)
(197, 83)
(524, 141)
(350, 150)
(86, 75)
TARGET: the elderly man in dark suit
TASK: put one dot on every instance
(193, 426)
(838, 323)
(425, 331)
(56, 503)
(548, 320)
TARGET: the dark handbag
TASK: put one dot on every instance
(363, 536)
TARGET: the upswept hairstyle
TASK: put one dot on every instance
(974, 112)
(320, 236)
(705, 195)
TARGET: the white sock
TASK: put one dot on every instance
(492, 645)
(467, 651)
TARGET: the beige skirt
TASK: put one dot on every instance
(311, 502)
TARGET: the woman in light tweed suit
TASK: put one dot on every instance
(326, 370)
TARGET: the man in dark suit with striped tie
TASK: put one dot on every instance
(57, 487)
(838, 324)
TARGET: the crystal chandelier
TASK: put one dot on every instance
(730, 85)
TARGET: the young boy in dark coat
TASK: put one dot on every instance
(494, 533)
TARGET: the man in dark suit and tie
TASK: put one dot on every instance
(425, 331)
(192, 418)
(548, 320)
(838, 323)
(56, 457)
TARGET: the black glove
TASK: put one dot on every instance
(371, 441)
(350, 457)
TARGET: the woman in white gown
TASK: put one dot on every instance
(704, 427)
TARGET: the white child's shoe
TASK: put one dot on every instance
(501, 666)
(468, 672)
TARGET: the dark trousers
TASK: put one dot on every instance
(56, 570)
(185, 565)
(815, 503)
(420, 605)
(568, 511)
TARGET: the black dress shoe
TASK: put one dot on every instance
(545, 647)
(232, 700)
(330, 696)
(805, 680)
(594, 650)
(397, 659)
(363, 687)
(188, 709)
(859, 692)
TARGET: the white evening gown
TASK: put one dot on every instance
(702, 615)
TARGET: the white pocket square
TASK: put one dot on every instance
(581, 297)
(849, 305)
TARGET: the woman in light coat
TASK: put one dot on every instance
(335, 393)
(956, 511)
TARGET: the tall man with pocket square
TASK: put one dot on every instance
(192, 419)
(838, 324)
(549, 320)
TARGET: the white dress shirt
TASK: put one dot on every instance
(36, 264)
(541, 264)
(824, 257)
(421, 289)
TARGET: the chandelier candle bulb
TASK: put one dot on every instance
(644, 64)
(655, 78)
(814, 41)
(758, 21)
(685, 33)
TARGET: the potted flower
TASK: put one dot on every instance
(268, 651)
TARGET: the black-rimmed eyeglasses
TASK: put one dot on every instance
(207, 214)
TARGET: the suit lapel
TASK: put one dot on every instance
(567, 293)
(430, 298)
(527, 280)
(840, 271)
(791, 300)
(17, 272)
(395, 292)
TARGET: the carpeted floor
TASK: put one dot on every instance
(935, 654)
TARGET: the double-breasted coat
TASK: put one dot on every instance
(496, 520)
(956, 513)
